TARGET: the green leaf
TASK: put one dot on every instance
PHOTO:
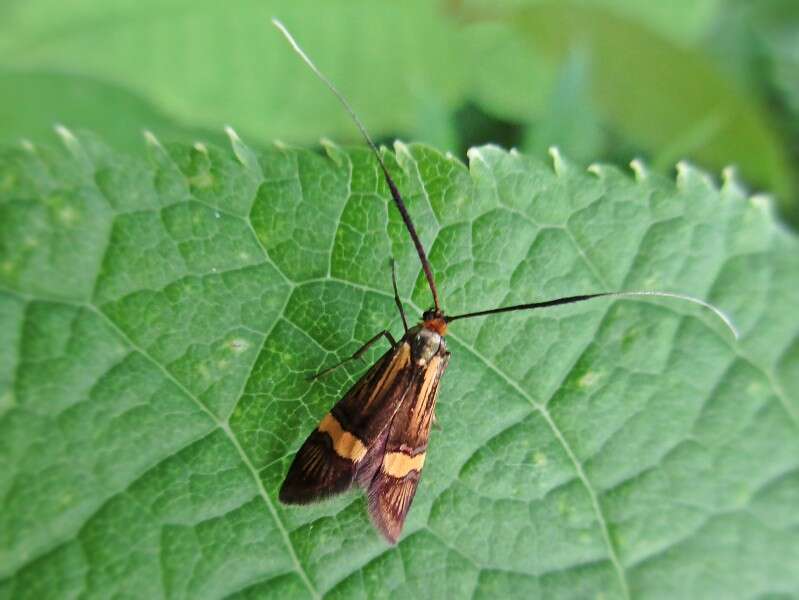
(33, 101)
(570, 123)
(672, 100)
(158, 319)
(200, 62)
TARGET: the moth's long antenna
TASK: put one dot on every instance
(391, 185)
(572, 299)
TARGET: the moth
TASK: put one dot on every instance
(376, 436)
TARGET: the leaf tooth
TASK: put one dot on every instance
(200, 147)
(688, 173)
(27, 145)
(485, 157)
(731, 182)
(596, 169)
(558, 164)
(640, 170)
(326, 142)
(729, 175)
(156, 151)
(474, 154)
(683, 172)
(334, 152)
(454, 160)
(68, 138)
(73, 145)
(403, 154)
(151, 140)
(458, 164)
(765, 204)
(242, 151)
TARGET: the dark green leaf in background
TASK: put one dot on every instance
(32, 102)
(671, 100)
(209, 64)
(158, 320)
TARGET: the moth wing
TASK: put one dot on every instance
(328, 460)
(316, 472)
(392, 474)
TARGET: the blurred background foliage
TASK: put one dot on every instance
(712, 81)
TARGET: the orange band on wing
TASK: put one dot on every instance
(398, 362)
(399, 464)
(345, 444)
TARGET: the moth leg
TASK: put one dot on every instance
(397, 298)
(357, 354)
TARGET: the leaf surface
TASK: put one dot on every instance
(158, 320)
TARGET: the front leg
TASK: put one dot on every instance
(358, 353)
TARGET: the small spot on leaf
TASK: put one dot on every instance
(239, 345)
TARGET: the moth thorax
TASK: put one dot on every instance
(425, 345)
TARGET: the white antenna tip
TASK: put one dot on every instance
(714, 309)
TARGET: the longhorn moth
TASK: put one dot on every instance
(376, 435)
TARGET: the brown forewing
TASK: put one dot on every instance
(391, 473)
(330, 458)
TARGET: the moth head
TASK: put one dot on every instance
(434, 320)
